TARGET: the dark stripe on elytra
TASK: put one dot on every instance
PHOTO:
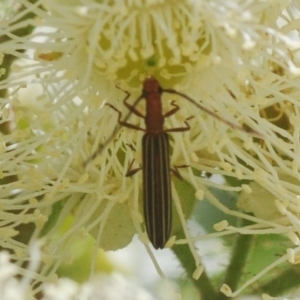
(157, 188)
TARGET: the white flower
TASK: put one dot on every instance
(110, 287)
(106, 287)
(237, 58)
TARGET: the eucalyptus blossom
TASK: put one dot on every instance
(239, 59)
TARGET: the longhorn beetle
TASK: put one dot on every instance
(155, 162)
(155, 156)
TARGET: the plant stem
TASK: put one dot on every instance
(241, 250)
(203, 284)
(284, 281)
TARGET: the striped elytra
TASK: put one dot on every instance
(155, 162)
(157, 188)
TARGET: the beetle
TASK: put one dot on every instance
(157, 196)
